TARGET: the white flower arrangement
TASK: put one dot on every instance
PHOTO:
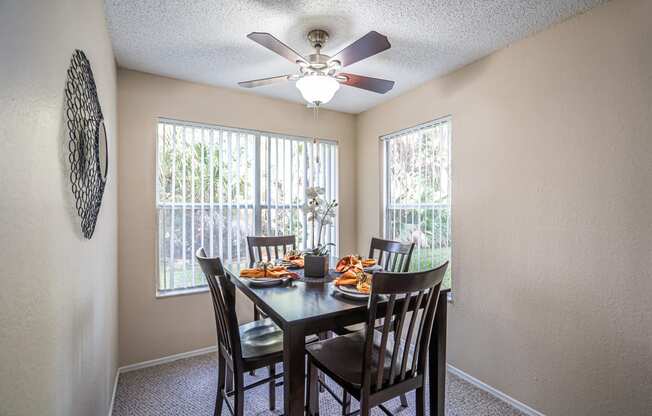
(322, 212)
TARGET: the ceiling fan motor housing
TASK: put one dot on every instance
(318, 38)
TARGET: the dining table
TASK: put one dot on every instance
(311, 305)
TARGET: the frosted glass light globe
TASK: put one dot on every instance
(318, 89)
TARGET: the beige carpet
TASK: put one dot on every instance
(187, 388)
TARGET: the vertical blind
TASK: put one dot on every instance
(417, 196)
(217, 185)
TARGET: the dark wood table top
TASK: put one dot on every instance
(301, 300)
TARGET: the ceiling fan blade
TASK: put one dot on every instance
(378, 85)
(275, 45)
(368, 45)
(264, 81)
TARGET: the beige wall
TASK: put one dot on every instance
(552, 171)
(58, 302)
(149, 327)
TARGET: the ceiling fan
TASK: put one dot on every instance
(319, 75)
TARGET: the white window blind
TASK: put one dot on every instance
(217, 185)
(417, 196)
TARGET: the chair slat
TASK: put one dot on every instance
(383, 340)
(401, 264)
(387, 259)
(397, 337)
(396, 257)
(417, 341)
(260, 255)
(408, 338)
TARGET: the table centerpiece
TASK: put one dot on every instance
(321, 213)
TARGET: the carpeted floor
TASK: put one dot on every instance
(187, 388)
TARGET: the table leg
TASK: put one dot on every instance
(437, 359)
(294, 369)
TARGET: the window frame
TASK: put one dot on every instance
(384, 194)
(258, 203)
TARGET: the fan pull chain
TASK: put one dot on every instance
(315, 113)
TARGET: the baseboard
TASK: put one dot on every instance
(115, 387)
(168, 359)
(494, 392)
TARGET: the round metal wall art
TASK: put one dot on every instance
(87, 142)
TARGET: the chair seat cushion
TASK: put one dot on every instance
(263, 337)
(343, 357)
(260, 338)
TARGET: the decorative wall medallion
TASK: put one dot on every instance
(87, 142)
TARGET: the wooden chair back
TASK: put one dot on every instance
(223, 296)
(404, 292)
(393, 256)
(267, 248)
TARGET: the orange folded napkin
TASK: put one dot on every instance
(369, 262)
(271, 272)
(295, 259)
(297, 262)
(349, 277)
(348, 262)
(355, 277)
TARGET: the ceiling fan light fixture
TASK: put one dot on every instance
(318, 89)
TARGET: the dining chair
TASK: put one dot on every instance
(260, 245)
(269, 249)
(372, 365)
(241, 348)
(393, 256)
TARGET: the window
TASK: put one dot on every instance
(217, 185)
(417, 196)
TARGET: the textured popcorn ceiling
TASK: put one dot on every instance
(204, 40)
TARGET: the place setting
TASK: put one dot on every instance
(271, 273)
(356, 277)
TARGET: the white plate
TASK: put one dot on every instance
(351, 292)
(374, 268)
(266, 281)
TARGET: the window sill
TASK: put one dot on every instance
(180, 292)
